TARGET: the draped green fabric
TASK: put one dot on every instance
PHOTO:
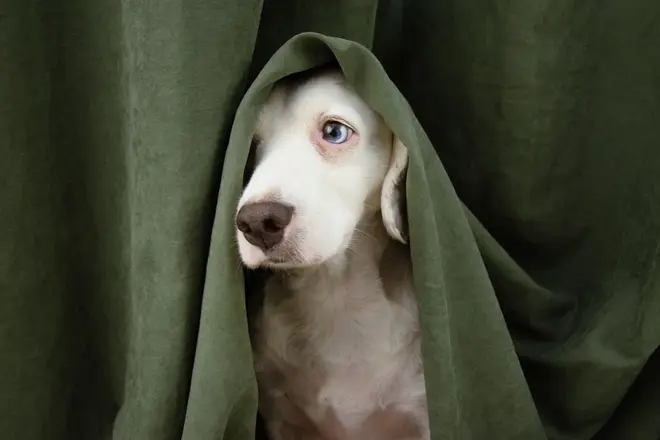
(533, 197)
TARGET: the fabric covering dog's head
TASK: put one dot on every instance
(324, 162)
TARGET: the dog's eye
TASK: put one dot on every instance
(336, 132)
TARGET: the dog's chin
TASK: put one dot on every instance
(257, 259)
(302, 260)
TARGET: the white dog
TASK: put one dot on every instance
(337, 345)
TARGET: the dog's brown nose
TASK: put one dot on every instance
(263, 223)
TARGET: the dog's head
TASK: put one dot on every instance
(324, 160)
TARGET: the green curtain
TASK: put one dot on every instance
(533, 197)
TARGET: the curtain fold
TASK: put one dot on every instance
(534, 207)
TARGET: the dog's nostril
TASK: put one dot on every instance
(270, 226)
(263, 224)
(242, 226)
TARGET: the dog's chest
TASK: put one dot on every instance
(344, 347)
(345, 324)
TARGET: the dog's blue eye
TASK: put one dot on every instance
(336, 132)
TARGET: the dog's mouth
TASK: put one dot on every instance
(276, 261)
(285, 254)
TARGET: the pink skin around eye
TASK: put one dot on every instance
(317, 138)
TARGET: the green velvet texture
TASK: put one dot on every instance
(533, 197)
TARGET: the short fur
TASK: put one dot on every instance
(337, 346)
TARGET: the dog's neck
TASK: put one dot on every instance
(368, 243)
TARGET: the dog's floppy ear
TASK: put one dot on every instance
(393, 193)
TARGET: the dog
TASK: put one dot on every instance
(336, 341)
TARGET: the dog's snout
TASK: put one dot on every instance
(263, 223)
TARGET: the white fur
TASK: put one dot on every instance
(337, 338)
